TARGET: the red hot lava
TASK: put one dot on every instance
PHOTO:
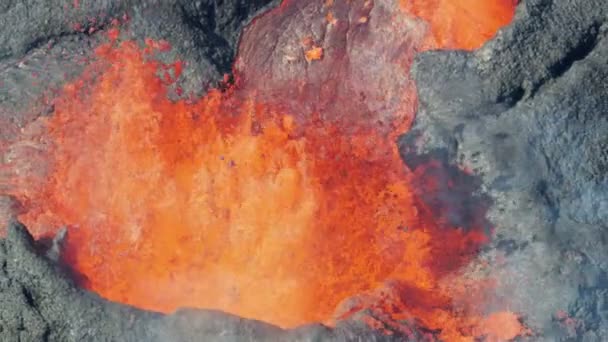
(280, 198)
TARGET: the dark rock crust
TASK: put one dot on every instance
(45, 43)
(528, 113)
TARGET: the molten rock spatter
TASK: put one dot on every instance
(215, 195)
(461, 24)
(258, 201)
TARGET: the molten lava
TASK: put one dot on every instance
(461, 24)
(229, 202)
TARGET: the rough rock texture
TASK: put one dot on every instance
(360, 73)
(39, 303)
(528, 113)
(44, 43)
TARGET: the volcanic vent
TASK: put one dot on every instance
(281, 195)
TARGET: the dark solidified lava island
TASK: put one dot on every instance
(527, 113)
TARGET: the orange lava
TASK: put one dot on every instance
(461, 24)
(314, 54)
(500, 326)
(219, 206)
(229, 203)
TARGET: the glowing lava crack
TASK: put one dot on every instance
(279, 199)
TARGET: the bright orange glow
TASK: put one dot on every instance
(500, 326)
(229, 203)
(217, 205)
(461, 24)
(314, 54)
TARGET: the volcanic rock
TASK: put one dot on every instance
(363, 68)
(528, 113)
(43, 44)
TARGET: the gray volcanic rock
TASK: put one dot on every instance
(27, 24)
(528, 113)
(203, 34)
(45, 43)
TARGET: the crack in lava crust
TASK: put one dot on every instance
(234, 203)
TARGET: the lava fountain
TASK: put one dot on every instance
(280, 198)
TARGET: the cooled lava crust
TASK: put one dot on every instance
(527, 113)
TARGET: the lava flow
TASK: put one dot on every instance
(254, 201)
